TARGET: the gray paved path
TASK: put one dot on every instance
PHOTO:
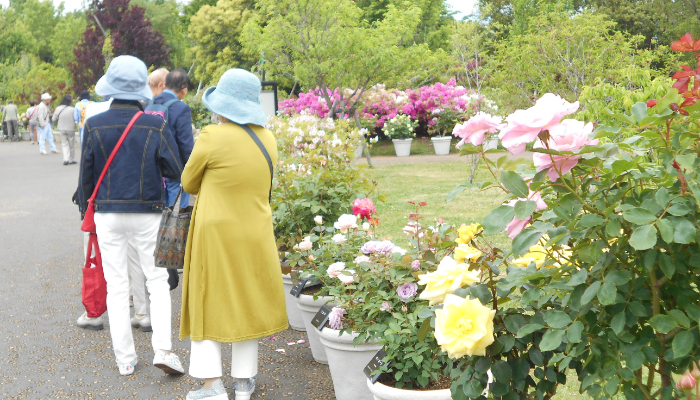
(43, 355)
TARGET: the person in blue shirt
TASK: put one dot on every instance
(79, 113)
(180, 124)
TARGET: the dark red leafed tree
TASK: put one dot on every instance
(131, 34)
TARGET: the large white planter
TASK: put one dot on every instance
(442, 145)
(346, 362)
(491, 143)
(25, 136)
(402, 147)
(309, 307)
(293, 312)
(383, 392)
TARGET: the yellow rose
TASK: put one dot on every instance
(465, 252)
(464, 327)
(468, 232)
(449, 277)
(538, 254)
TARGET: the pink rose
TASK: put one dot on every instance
(335, 268)
(475, 129)
(305, 245)
(363, 208)
(407, 290)
(569, 135)
(415, 265)
(515, 226)
(361, 259)
(335, 318)
(385, 306)
(347, 279)
(524, 125)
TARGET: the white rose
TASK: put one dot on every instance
(365, 226)
(318, 219)
(347, 279)
(335, 268)
(339, 238)
(345, 222)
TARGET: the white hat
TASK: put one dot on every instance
(46, 96)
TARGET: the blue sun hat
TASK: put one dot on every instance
(237, 98)
(126, 79)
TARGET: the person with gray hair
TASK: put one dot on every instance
(43, 119)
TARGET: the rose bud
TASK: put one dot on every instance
(674, 106)
(687, 382)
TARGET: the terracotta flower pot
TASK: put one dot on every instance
(383, 392)
(293, 312)
(346, 362)
(309, 307)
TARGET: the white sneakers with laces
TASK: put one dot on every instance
(168, 362)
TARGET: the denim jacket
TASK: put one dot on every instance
(134, 181)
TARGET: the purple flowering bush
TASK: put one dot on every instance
(425, 105)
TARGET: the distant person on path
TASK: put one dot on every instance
(63, 115)
(156, 81)
(43, 119)
(31, 116)
(11, 117)
(129, 205)
(80, 110)
(232, 288)
(179, 118)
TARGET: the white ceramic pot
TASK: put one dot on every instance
(442, 145)
(309, 307)
(402, 147)
(293, 312)
(491, 143)
(358, 149)
(56, 138)
(25, 136)
(346, 362)
(383, 392)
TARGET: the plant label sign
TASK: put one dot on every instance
(296, 289)
(321, 317)
(374, 364)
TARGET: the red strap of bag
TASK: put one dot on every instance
(89, 219)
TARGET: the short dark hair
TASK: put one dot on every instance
(177, 80)
(84, 95)
(66, 100)
(32, 103)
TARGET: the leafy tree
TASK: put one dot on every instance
(14, 36)
(192, 8)
(562, 54)
(130, 32)
(40, 18)
(216, 32)
(322, 43)
(68, 32)
(45, 78)
(165, 19)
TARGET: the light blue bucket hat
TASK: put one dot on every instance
(237, 98)
(126, 79)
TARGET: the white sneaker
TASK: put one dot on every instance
(128, 368)
(168, 362)
(244, 388)
(94, 324)
(144, 323)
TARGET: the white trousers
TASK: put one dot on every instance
(113, 232)
(205, 359)
(136, 276)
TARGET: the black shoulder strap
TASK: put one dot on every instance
(264, 151)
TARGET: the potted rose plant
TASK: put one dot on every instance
(443, 122)
(401, 130)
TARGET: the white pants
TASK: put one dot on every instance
(136, 276)
(205, 359)
(113, 231)
(68, 145)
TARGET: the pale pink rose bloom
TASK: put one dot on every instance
(335, 318)
(523, 126)
(347, 279)
(335, 268)
(569, 135)
(361, 259)
(385, 306)
(476, 128)
(339, 238)
(305, 245)
(515, 226)
(345, 222)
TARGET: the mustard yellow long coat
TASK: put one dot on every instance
(232, 286)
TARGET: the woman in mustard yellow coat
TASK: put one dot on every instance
(232, 286)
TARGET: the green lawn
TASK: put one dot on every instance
(430, 183)
(420, 146)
